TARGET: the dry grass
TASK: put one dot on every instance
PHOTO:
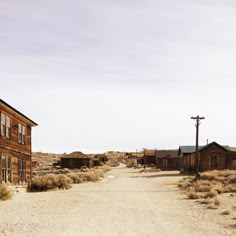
(194, 195)
(209, 186)
(5, 192)
(216, 201)
(211, 183)
(226, 212)
(63, 178)
(50, 182)
(212, 207)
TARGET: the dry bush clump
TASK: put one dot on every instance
(226, 212)
(216, 201)
(56, 180)
(105, 168)
(210, 194)
(211, 183)
(130, 165)
(91, 176)
(212, 207)
(194, 195)
(5, 192)
(50, 182)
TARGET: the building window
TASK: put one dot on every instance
(22, 170)
(234, 164)
(213, 161)
(6, 169)
(21, 133)
(5, 125)
(165, 162)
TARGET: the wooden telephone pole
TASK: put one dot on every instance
(197, 118)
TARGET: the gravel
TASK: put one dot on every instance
(125, 202)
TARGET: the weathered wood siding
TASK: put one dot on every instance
(168, 163)
(10, 147)
(231, 160)
(74, 163)
(205, 158)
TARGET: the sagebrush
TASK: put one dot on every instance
(5, 192)
(63, 178)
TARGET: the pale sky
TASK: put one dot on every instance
(103, 75)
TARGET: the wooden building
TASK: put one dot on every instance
(76, 160)
(149, 157)
(15, 145)
(212, 156)
(168, 159)
(101, 157)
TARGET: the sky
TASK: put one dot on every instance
(120, 75)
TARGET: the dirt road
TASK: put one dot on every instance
(125, 202)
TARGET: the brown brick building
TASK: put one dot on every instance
(15, 145)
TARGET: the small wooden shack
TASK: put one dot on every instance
(102, 158)
(212, 156)
(76, 160)
(149, 157)
(168, 159)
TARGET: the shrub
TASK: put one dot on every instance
(212, 206)
(206, 201)
(63, 181)
(216, 201)
(211, 194)
(193, 195)
(5, 192)
(75, 178)
(50, 182)
(105, 168)
(91, 176)
(226, 212)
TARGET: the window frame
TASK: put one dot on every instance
(5, 126)
(6, 169)
(21, 136)
(22, 170)
(214, 161)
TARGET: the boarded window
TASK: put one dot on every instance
(213, 161)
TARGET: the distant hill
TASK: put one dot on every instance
(45, 160)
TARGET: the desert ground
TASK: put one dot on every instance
(125, 202)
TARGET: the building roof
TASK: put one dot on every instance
(226, 147)
(192, 149)
(150, 152)
(187, 149)
(76, 154)
(167, 153)
(13, 110)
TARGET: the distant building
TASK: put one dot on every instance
(15, 145)
(76, 160)
(212, 156)
(168, 159)
(163, 159)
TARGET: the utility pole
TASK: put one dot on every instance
(197, 118)
(144, 159)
